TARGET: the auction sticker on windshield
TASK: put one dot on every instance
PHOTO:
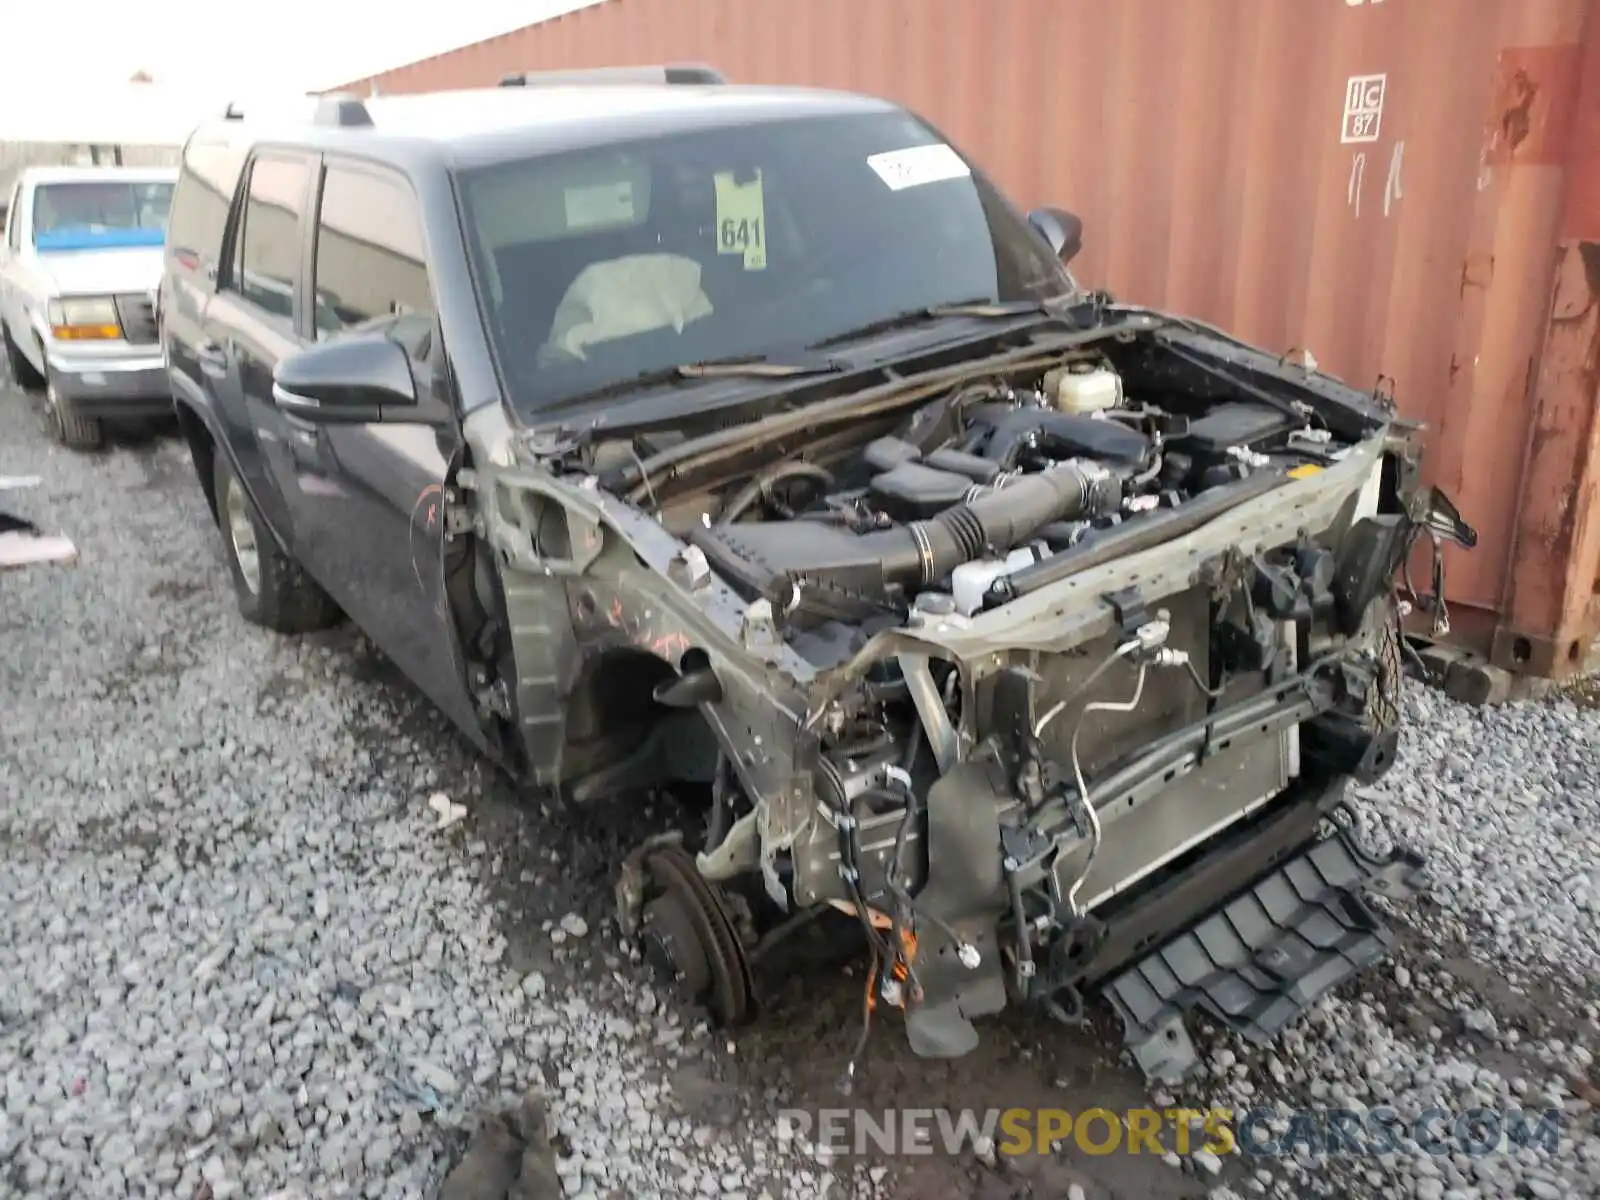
(600, 204)
(902, 169)
(742, 219)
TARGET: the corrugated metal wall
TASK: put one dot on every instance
(1382, 182)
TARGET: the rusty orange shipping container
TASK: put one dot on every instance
(1408, 189)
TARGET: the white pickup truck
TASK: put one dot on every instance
(79, 270)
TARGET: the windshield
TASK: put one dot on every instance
(598, 266)
(100, 213)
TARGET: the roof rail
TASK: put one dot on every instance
(343, 109)
(673, 73)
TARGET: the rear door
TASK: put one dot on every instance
(253, 322)
(366, 501)
(197, 241)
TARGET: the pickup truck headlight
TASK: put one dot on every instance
(84, 319)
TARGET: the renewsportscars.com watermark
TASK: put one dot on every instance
(1257, 1132)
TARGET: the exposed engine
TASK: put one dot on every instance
(984, 812)
(1027, 670)
(983, 496)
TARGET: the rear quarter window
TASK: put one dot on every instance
(206, 183)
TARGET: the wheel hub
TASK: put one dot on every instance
(672, 945)
(689, 939)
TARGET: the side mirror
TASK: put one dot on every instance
(347, 381)
(1061, 229)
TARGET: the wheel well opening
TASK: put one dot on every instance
(202, 452)
(612, 717)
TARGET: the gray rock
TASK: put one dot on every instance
(574, 926)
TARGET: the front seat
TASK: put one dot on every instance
(641, 292)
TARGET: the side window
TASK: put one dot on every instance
(370, 261)
(199, 216)
(268, 262)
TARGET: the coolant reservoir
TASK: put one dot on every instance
(1084, 387)
(969, 582)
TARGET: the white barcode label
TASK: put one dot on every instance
(902, 169)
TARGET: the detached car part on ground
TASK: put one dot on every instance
(79, 268)
(1036, 634)
(24, 544)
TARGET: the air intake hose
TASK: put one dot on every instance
(925, 552)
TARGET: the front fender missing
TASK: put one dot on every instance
(580, 590)
(532, 529)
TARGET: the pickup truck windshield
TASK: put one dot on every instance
(598, 266)
(100, 212)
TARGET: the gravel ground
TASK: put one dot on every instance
(1491, 1001)
(235, 952)
(238, 956)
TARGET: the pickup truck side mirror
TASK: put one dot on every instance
(1061, 229)
(349, 380)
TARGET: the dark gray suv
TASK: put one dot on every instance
(749, 441)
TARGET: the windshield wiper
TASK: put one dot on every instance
(752, 365)
(978, 306)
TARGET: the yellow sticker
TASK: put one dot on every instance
(1305, 471)
(742, 220)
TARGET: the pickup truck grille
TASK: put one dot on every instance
(138, 318)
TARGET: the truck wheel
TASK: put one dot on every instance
(67, 427)
(273, 590)
(22, 372)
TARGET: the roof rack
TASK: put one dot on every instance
(671, 73)
(335, 108)
(343, 109)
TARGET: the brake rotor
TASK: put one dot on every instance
(674, 946)
(688, 934)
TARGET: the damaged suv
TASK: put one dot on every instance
(672, 433)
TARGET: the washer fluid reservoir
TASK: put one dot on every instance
(1084, 387)
(969, 582)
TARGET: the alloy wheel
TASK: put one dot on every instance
(242, 535)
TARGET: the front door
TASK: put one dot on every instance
(366, 501)
(253, 322)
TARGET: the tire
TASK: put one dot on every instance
(272, 589)
(22, 371)
(67, 427)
